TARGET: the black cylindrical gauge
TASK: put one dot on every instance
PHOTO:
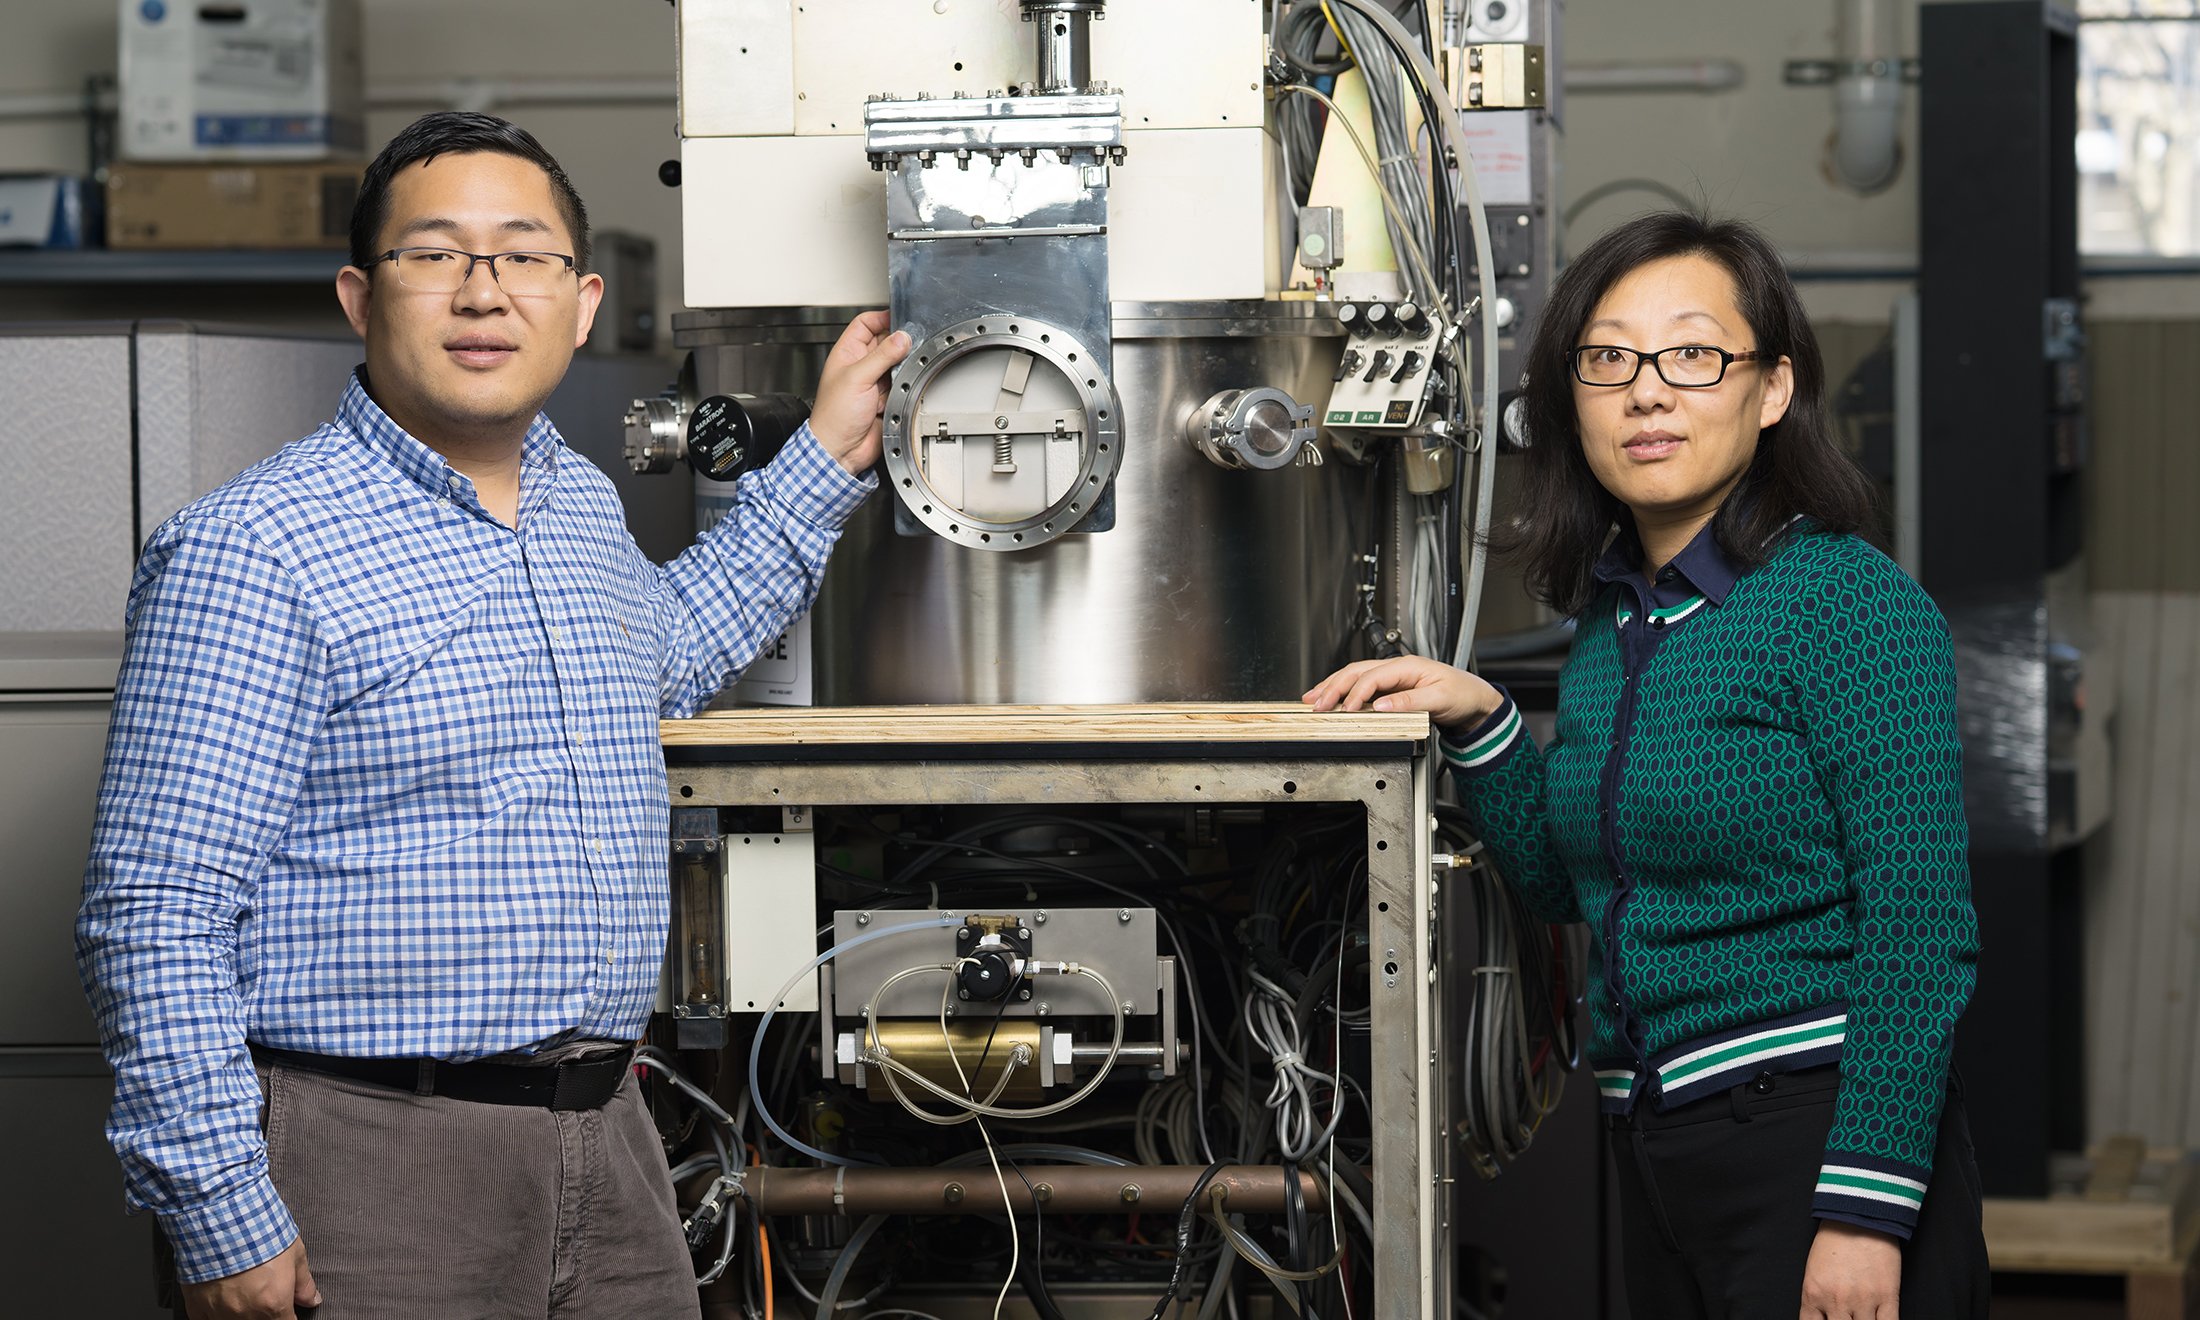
(1411, 319)
(729, 434)
(1348, 316)
(1380, 320)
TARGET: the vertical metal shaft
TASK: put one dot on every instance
(1065, 42)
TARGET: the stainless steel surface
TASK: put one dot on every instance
(1001, 427)
(1065, 43)
(742, 326)
(1122, 951)
(1261, 429)
(1214, 585)
(1029, 125)
(656, 431)
(1048, 454)
(1411, 1261)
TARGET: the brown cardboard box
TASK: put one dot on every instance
(231, 206)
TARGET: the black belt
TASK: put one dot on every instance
(586, 1084)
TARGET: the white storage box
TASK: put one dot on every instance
(241, 79)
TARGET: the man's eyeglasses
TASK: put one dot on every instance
(1687, 367)
(446, 270)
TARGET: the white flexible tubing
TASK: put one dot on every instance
(756, 1047)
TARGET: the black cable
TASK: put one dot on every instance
(998, 1013)
(1307, 14)
(1030, 1270)
(1185, 1219)
(753, 1275)
(1294, 1234)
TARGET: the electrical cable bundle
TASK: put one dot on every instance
(1433, 212)
(1520, 1036)
(1279, 936)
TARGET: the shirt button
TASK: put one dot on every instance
(557, 635)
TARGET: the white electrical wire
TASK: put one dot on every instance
(1015, 1236)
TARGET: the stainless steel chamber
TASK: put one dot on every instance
(1214, 585)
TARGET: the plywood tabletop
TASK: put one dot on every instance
(1180, 722)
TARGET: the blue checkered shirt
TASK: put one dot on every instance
(384, 779)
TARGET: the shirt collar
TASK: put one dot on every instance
(421, 465)
(1706, 566)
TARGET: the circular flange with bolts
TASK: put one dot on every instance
(1262, 428)
(1100, 455)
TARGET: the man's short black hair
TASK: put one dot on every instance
(450, 132)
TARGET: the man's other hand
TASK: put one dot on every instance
(851, 393)
(273, 1290)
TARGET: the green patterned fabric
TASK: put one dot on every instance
(1789, 826)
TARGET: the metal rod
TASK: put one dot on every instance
(1064, 1188)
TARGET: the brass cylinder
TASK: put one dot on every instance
(916, 1044)
(1068, 1189)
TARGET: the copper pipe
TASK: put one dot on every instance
(1063, 1188)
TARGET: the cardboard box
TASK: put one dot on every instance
(48, 211)
(231, 206)
(241, 79)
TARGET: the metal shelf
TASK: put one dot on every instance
(107, 266)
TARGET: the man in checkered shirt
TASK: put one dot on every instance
(377, 897)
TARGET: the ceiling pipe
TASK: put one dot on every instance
(1654, 76)
(1865, 152)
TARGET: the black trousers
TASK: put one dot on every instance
(1715, 1197)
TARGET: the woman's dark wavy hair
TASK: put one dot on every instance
(1566, 516)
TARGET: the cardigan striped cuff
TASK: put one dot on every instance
(1488, 745)
(1879, 1193)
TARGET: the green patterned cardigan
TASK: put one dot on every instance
(1754, 800)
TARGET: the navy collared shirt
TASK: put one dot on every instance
(1650, 609)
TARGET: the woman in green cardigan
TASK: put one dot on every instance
(1753, 797)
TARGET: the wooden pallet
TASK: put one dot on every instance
(2122, 1209)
